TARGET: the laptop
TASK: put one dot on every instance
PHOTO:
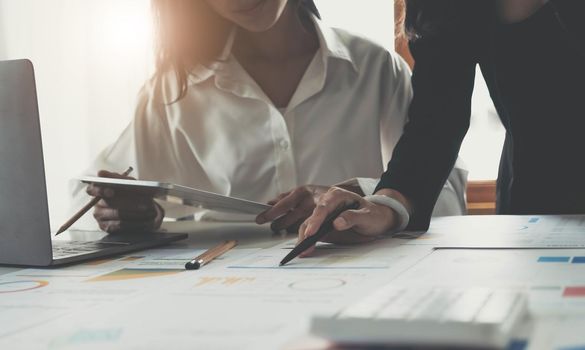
(25, 234)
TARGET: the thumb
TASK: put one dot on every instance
(349, 219)
(109, 174)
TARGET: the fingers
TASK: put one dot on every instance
(350, 219)
(359, 225)
(142, 217)
(283, 206)
(124, 211)
(100, 191)
(292, 218)
(105, 173)
(110, 214)
(301, 237)
(277, 199)
(371, 220)
(296, 216)
(103, 191)
(329, 203)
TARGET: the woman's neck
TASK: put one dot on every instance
(289, 37)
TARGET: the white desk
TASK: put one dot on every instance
(251, 306)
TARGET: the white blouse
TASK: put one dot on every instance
(226, 136)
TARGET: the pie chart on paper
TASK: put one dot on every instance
(21, 286)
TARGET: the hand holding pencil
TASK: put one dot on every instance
(119, 211)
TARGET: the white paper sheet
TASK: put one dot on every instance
(31, 297)
(558, 333)
(553, 278)
(533, 231)
(221, 307)
(371, 256)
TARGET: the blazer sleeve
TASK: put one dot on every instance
(439, 114)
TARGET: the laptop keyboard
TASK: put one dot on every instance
(62, 249)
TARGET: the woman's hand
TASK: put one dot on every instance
(363, 224)
(124, 211)
(290, 209)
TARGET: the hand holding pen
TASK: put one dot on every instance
(343, 217)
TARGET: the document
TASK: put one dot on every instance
(370, 256)
(238, 303)
(209, 310)
(553, 278)
(503, 231)
(33, 297)
(562, 332)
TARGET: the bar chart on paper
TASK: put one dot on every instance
(554, 279)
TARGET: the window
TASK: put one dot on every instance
(371, 18)
(91, 58)
(483, 144)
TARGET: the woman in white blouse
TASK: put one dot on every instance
(252, 98)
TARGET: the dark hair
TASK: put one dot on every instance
(189, 32)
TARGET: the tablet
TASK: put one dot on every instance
(189, 196)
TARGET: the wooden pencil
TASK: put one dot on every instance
(209, 255)
(85, 209)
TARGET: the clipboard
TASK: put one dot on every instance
(185, 195)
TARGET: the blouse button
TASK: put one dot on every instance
(284, 144)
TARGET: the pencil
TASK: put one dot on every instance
(85, 209)
(209, 255)
(326, 228)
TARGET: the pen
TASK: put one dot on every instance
(85, 209)
(325, 228)
(209, 255)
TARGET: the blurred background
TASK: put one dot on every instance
(92, 56)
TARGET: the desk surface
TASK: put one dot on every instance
(143, 301)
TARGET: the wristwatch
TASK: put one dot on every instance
(399, 208)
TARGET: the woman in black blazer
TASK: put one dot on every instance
(532, 56)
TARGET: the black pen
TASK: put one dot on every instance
(325, 228)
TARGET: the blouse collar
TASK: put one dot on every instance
(331, 46)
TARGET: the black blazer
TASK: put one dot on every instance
(535, 72)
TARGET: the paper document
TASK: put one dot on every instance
(562, 333)
(209, 310)
(553, 278)
(234, 302)
(373, 255)
(503, 231)
(31, 297)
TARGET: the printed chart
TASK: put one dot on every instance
(330, 257)
(554, 279)
(21, 286)
(131, 274)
